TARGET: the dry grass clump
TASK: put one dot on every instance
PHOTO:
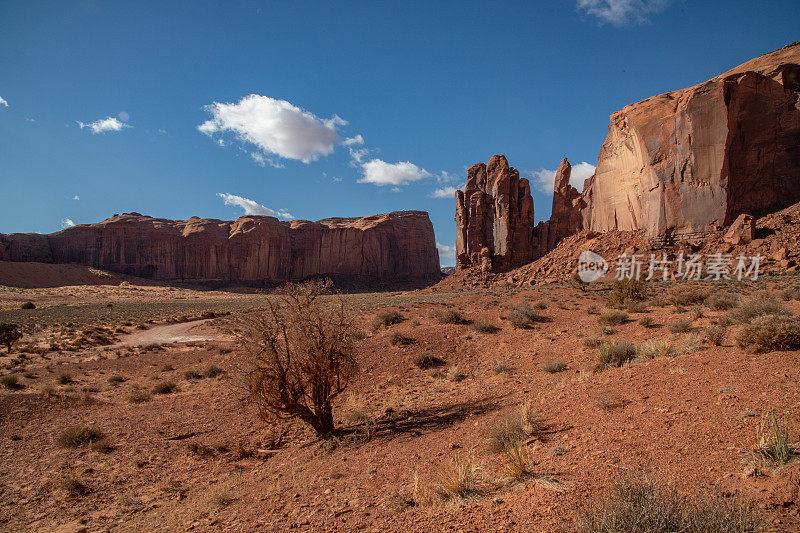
(214, 371)
(687, 294)
(769, 333)
(165, 387)
(614, 354)
(454, 374)
(773, 444)
(74, 487)
(64, 378)
(10, 382)
(638, 504)
(484, 327)
(396, 339)
(592, 342)
(540, 305)
(451, 316)
(514, 428)
(139, 396)
(523, 316)
(193, 374)
(655, 348)
(384, 319)
(356, 410)
(627, 290)
(757, 305)
(792, 293)
(519, 461)
(646, 321)
(612, 318)
(555, 366)
(722, 301)
(501, 367)
(459, 478)
(682, 325)
(80, 435)
(593, 309)
(426, 360)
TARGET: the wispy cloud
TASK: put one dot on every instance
(251, 207)
(76, 197)
(446, 252)
(3, 102)
(381, 173)
(444, 192)
(275, 127)
(104, 125)
(544, 179)
(67, 223)
(622, 12)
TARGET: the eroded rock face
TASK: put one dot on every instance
(565, 218)
(495, 212)
(695, 159)
(397, 245)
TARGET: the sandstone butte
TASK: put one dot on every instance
(393, 246)
(685, 162)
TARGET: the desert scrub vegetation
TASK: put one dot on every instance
(758, 304)
(655, 348)
(426, 360)
(451, 316)
(396, 339)
(80, 435)
(384, 319)
(455, 479)
(555, 366)
(523, 316)
(612, 318)
(682, 325)
(715, 335)
(9, 334)
(687, 294)
(165, 387)
(484, 327)
(300, 352)
(10, 382)
(27, 305)
(614, 354)
(721, 301)
(639, 504)
(139, 396)
(769, 333)
(627, 290)
(773, 443)
(514, 428)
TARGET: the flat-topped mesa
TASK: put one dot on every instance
(695, 159)
(393, 246)
(495, 212)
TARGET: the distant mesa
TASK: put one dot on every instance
(253, 248)
(688, 162)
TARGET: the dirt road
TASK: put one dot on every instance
(168, 333)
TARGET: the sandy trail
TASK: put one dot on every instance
(168, 333)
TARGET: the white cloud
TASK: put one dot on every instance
(76, 197)
(3, 102)
(252, 207)
(275, 126)
(381, 173)
(544, 179)
(444, 192)
(67, 223)
(350, 141)
(446, 252)
(621, 12)
(104, 125)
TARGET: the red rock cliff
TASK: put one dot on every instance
(397, 245)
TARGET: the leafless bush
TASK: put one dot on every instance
(770, 332)
(300, 355)
(687, 294)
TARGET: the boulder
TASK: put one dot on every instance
(392, 246)
(742, 231)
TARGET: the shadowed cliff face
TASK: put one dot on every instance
(398, 245)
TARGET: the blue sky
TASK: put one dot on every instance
(316, 109)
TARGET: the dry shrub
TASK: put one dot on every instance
(451, 316)
(426, 360)
(193, 374)
(722, 301)
(10, 382)
(384, 319)
(612, 318)
(484, 327)
(80, 435)
(716, 335)
(682, 325)
(614, 354)
(459, 478)
(514, 428)
(687, 294)
(553, 367)
(454, 374)
(74, 487)
(9, 334)
(214, 371)
(655, 348)
(769, 333)
(165, 387)
(646, 321)
(139, 396)
(519, 461)
(524, 316)
(773, 444)
(792, 293)
(300, 355)
(757, 305)
(637, 504)
(627, 290)
(501, 367)
(396, 339)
